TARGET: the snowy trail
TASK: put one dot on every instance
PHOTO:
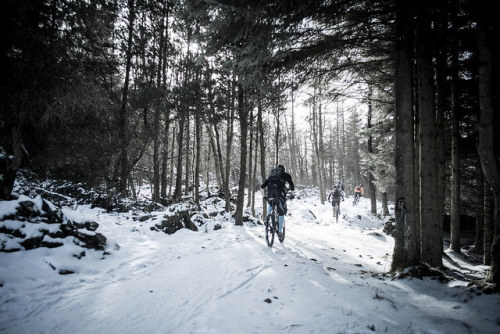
(325, 278)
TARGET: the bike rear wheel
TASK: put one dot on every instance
(337, 214)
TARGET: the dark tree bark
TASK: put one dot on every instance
(229, 143)
(254, 172)
(187, 153)
(250, 165)
(217, 156)
(123, 116)
(262, 144)
(488, 90)
(371, 169)
(292, 137)
(198, 134)
(431, 225)
(243, 116)
(405, 247)
(455, 234)
(162, 82)
(180, 143)
(385, 204)
(156, 156)
(479, 238)
(9, 165)
(489, 224)
(164, 162)
(440, 49)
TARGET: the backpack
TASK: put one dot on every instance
(276, 176)
(336, 195)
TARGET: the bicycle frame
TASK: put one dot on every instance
(336, 211)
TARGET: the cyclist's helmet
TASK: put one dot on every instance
(280, 167)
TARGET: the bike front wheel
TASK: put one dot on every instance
(270, 229)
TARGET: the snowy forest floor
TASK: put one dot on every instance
(325, 277)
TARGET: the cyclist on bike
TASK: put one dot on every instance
(336, 195)
(358, 191)
(275, 184)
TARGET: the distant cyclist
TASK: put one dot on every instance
(275, 184)
(341, 187)
(358, 192)
(336, 195)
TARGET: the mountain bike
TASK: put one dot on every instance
(272, 222)
(356, 199)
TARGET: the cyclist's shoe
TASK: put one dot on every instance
(281, 236)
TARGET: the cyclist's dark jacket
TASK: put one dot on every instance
(277, 189)
(285, 177)
(336, 199)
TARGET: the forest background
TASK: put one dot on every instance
(114, 93)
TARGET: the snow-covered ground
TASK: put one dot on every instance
(324, 278)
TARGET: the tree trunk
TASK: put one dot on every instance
(164, 163)
(208, 158)
(292, 138)
(243, 115)
(10, 165)
(156, 156)
(431, 225)
(262, 144)
(322, 167)
(455, 153)
(417, 165)
(123, 116)
(159, 179)
(277, 138)
(489, 224)
(316, 132)
(254, 172)
(405, 247)
(198, 129)
(172, 151)
(479, 238)
(217, 161)
(178, 171)
(488, 134)
(340, 144)
(229, 141)
(371, 169)
(250, 168)
(385, 204)
(187, 153)
(440, 47)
